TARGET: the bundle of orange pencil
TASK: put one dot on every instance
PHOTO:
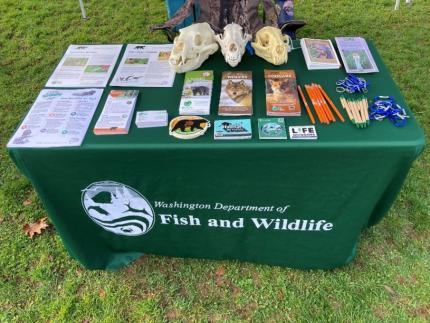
(357, 111)
(321, 101)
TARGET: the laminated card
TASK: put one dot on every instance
(145, 66)
(272, 128)
(233, 129)
(58, 118)
(85, 66)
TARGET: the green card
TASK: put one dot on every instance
(272, 128)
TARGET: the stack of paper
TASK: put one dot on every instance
(319, 54)
(117, 113)
(233, 129)
(149, 119)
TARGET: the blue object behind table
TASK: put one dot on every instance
(173, 6)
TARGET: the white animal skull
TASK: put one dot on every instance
(271, 45)
(232, 43)
(192, 47)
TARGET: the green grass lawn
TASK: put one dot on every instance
(388, 281)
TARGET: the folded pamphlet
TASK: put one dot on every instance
(117, 113)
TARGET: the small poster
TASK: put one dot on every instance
(145, 66)
(85, 66)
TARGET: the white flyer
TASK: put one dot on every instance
(145, 66)
(85, 66)
(58, 118)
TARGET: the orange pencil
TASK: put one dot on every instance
(320, 116)
(327, 111)
(331, 103)
(308, 110)
(319, 104)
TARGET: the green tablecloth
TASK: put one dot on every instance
(314, 197)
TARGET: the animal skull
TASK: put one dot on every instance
(271, 45)
(232, 43)
(192, 47)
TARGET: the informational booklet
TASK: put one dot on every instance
(233, 129)
(117, 113)
(319, 54)
(281, 93)
(236, 94)
(58, 118)
(272, 128)
(145, 66)
(85, 66)
(197, 93)
(152, 118)
(356, 55)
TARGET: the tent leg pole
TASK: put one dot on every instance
(84, 14)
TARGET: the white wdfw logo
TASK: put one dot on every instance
(118, 208)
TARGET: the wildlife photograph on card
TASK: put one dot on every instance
(357, 59)
(163, 56)
(320, 51)
(97, 69)
(75, 61)
(136, 61)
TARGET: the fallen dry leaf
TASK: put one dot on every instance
(35, 227)
(219, 276)
(102, 293)
(220, 271)
(27, 202)
(172, 315)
